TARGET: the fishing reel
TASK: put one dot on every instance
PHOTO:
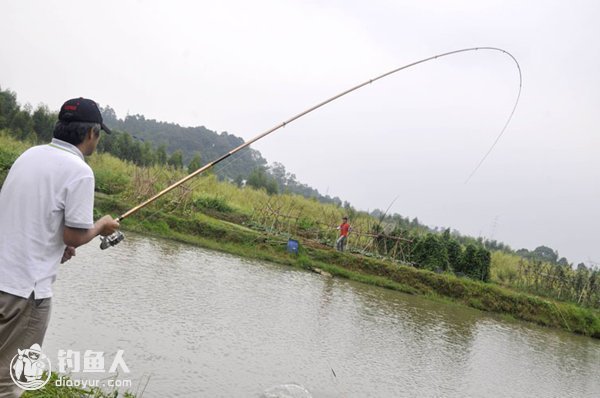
(111, 240)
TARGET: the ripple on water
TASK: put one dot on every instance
(287, 391)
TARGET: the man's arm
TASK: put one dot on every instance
(76, 237)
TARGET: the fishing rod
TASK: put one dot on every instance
(118, 236)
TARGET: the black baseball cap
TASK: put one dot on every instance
(81, 110)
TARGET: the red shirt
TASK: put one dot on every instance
(344, 228)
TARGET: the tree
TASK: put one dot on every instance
(260, 180)
(123, 146)
(148, 155)
(106, 143)
(277, 170)
(469, 260)
(161, 154)
(176, 159)
(563, 262)
(109, 116)
(484, 261)
(43, 123)
(476, 262)
(21, 124)
(453, 249)
(544, 253)
(195, 163)
(256, 179)
(272, 187)
(135, 152)
(8, 106)
(429, 252)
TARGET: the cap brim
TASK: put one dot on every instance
(106, 129)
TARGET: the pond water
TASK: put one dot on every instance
(198, 323)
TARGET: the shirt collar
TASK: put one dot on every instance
(65, 146)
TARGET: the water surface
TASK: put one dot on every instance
(197, 323)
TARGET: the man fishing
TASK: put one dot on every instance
(46, 211)
(344, 229)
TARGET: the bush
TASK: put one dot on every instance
(156, 226)
(110, 182)
(10, 149)
(213, 203)
(112, 175)
(7, 158)
(306, 223)
(430, 253)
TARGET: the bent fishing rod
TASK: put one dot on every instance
(118, 236)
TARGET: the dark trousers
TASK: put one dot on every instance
(340, 244)
(23, 322)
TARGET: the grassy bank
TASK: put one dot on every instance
(57, 388)
(205, 231)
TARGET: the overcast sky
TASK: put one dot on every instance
(246, 66)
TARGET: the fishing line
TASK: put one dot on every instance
(108, 241)
(514, 108)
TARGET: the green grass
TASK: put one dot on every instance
(51, 390)
(10, 149)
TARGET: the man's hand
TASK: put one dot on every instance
(76, 237)
(69, 252)
(108, 225)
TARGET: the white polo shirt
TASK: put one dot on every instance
(48, 187)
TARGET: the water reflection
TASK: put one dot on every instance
(201, 323)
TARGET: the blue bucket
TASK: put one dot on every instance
(292, 246)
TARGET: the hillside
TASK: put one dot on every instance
(200, 146)
(191, 141)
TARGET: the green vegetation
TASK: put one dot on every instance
(9, 151)
(558, 281)
(51, 390)
(386, 250)
(260, 179)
